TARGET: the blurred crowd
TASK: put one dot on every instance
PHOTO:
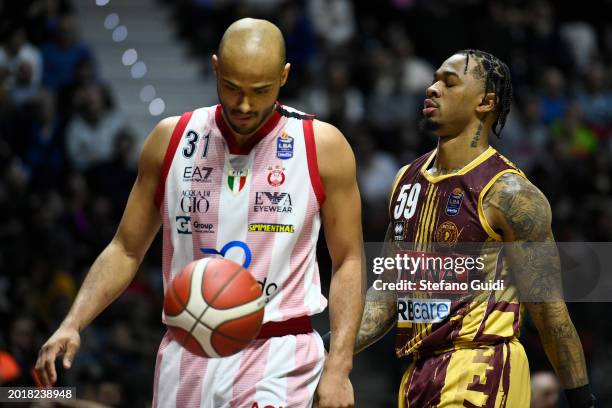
(65, 169)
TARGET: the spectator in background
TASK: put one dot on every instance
(62, 55)
(334, 21)
(525, 137)
(573, 134)
(45, 158)
(91, 134)
(544, 44)
(416, 72)
(553, 101)
(113, 178)
(20, 66)
(23, 343)
(596, 99)
(85, 74)
(544, 390)
(336, 100)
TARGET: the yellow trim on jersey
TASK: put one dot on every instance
(398, 177)
(478, 160)
(481, 215)
(401, 401)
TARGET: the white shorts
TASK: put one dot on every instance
(270, 373)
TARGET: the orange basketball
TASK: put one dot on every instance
(214, 307)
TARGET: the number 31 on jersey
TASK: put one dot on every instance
(407, 201)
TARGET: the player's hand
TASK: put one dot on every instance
(334, 391)
(66, 340)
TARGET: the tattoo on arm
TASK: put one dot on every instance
(536, 269)
(380, 310)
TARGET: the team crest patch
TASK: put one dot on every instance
(276, 176)
(398, 230)
(284, 146)
(236, 180)
(447, 233)
(454, 202)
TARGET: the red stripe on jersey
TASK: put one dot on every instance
(177, 133)
(313, 166)
(230, 139)
(295, 326)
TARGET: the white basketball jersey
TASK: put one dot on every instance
(256, 204)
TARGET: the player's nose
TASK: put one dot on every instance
(245, 106)
(432, 91)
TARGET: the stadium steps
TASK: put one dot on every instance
(178, 80)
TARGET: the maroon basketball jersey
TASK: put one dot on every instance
(439, 214)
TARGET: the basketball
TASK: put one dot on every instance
(214, 307)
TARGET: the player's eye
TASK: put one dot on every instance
(262, 91)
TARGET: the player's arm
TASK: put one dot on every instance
(117, 264)
(341, 216)
(380, 312)
(522, 213)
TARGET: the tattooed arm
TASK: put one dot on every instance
(520, 211)
(380, 311)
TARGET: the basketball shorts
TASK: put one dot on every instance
(270, 373)
(495, 376)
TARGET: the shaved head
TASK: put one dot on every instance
(257, 41)
(250, 68)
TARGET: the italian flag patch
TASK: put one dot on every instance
(236, 180)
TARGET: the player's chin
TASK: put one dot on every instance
(429, 124)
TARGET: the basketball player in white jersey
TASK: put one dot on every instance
(251, 180)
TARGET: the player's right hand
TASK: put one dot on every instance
(66, 340)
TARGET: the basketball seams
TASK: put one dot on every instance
(220, 290)
(196, 282)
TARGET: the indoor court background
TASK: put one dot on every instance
(72, 123)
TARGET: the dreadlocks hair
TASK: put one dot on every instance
(496, 77)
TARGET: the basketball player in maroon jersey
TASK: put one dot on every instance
(250, 69)
(465, 191)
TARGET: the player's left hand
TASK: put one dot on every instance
(334, 391)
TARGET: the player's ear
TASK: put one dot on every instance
(285, 74)
(215, 64)
(488, 103)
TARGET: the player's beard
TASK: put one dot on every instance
(427, 125)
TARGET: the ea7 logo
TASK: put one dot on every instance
(197, 173)
(256, 405)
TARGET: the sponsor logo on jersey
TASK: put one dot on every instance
(199, 174)
(195, 201)
(284, 146)
(227, 247)
(236, 180)
(268, 288)
(266, 201)
(447, 233)
(398, 230)
(265, 227)
(184, 225)
(276, 176)
(454, 202)
(422, 310)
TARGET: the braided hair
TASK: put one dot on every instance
(496, 77)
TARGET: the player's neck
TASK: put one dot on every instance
(454, 153)
(242, 138)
